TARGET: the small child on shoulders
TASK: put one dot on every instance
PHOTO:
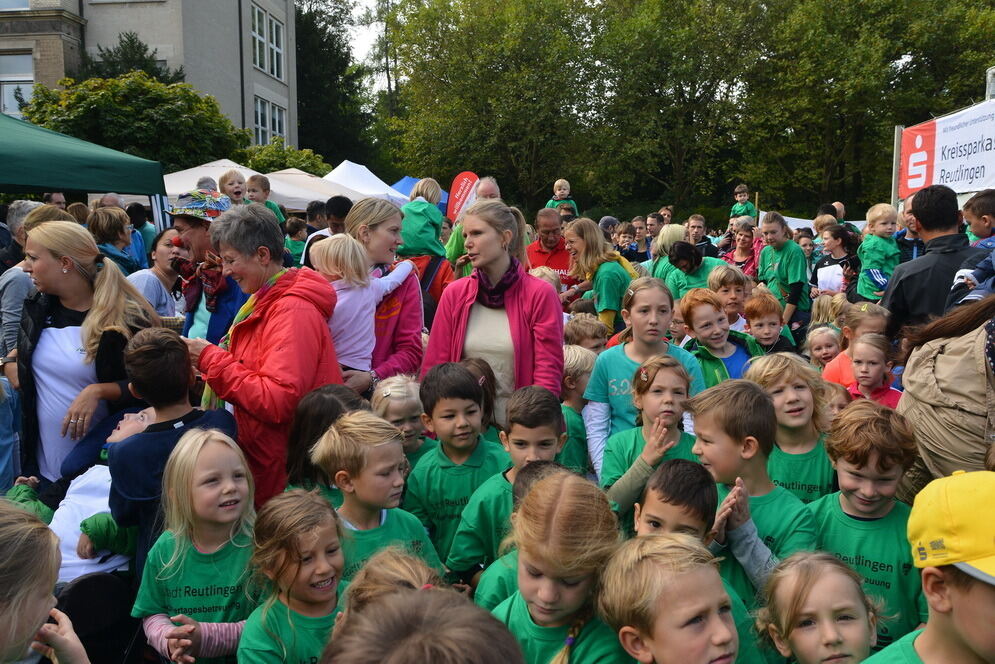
(257, 190)
(878, 253)
(765, 324)
(742, 207)
(535, 433)
(561, 196)
(863, 524)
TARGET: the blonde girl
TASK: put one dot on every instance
(232, 184)
(342, 260)
(297, 562)
(565, 533)
(822, 345)
(810, 595)
(647, 309)
(660, 389)
(837, 310)
(839, 398)
(859, 319)
(197, 567)
(73, 332)
(396, 400)
(798, 461)
(872, 365)
(822, 311)
(593, 259)
(29, 567)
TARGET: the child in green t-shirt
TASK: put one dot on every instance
(363, 455)
(257, 191)
(396, 400)
(722, 353)
(659, 391)
(296, 238)
(561, 195)
(535, 433)
(565, 533)
(664, 598)
(871, 447)
(878, 253)
(445, 478)
(196, 571)
(760, 522)
(742, 207)
(297, 564)
(798, 460)
(680, 498)
(815, 611)
(578, 363)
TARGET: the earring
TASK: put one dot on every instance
(65, 271)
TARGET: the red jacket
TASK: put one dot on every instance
(282, 351)
(558, 260)
(536, 323)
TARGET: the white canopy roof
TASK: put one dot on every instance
(291, 196)
(323, 189)
(359, 178)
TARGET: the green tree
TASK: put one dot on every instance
(332, 117)
(277, 156)
(130, 54)
(138, 115)
(497, 86)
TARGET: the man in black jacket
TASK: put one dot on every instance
(919, 288)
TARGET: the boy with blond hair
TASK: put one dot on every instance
(761, 523)
(878, 253)
(561, 195)
(257, 191)
(871, 446)
(952, 545)
(578, 363)
(731, 286)
(586, 331)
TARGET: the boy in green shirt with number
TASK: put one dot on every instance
(445, 478)
(871, 446)
(950, 534)
(535, 433)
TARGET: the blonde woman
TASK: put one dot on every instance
(70, 351)
(594, 259)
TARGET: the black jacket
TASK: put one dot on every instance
(707, 248)
(919, 289)
(108, 362)
(909, 248)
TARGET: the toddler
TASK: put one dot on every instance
(561, 197)
(257, 191)
(878, 253)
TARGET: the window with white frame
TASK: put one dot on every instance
(16, 73)
(267, 43)
(271, 120)
(14, 4)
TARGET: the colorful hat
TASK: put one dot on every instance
(948, 525)
(200, 204)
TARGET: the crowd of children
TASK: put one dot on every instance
(715, 482)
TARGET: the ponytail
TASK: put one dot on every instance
(576, 627)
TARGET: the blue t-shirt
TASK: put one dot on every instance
(736, 363)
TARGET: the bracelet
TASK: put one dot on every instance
(8, 360)
(374, 378)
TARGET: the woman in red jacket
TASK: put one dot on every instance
(278, 348)
(500, 313)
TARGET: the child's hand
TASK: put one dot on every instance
(878, 293)
(183, 641)
(740, 513)
(59, 642)
(718, 532)
(84, 548)
(657, 444)
(30, 481)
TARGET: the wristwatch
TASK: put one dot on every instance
(374, 379)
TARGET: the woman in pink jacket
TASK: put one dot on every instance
(499, 313)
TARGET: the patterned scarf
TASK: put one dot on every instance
(492, 295)
(205, 278)
(210, 400)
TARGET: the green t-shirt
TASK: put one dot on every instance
(208, 587)
(556, 202)
(783, 524)
(596, 643)
(283, 635)
(680, 283)
(749, 648)
(482, 526)
(427, 445)
(574, 452)
(498, 582)
(609, 284)
(879, 551)
(740, 209)
(330, 493)
(876, 253)
(296, 249)
(779, 268)
(611, 382)
(439, 489)
(275, 209)
(455, 248)
(809, 476)
(661, 268)
(399, 528)
(902, 651)
(622, 450)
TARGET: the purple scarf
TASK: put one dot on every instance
(492, 295)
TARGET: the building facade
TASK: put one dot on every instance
(242, 52)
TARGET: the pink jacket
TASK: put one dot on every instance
(536, 321)
(398, 327)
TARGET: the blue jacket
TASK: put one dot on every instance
(229, 302)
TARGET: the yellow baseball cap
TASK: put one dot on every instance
(949, 524)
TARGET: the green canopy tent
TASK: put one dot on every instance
(36, 159)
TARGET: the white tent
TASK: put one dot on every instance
(288, 195)
(359, 178)
(323, 189)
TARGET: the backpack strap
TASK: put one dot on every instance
(431, 270)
